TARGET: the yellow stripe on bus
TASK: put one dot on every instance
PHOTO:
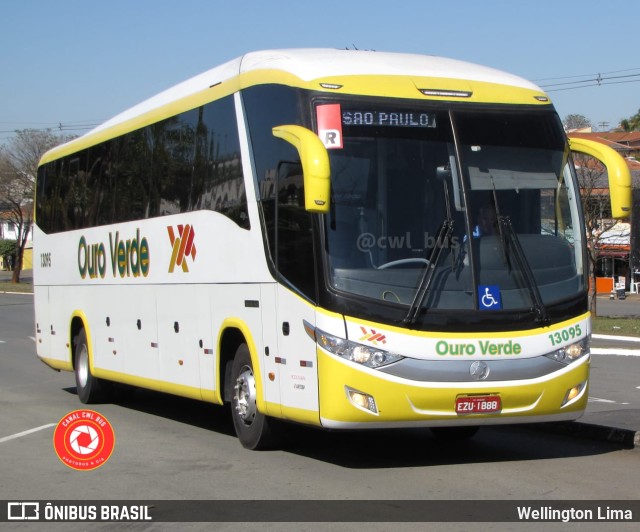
(362, 85)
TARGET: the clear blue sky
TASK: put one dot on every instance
(83, 61)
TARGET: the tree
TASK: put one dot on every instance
(18, 169)
(576, 122)
(632, 123)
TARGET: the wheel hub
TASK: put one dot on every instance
(245, 396)
(83, 366)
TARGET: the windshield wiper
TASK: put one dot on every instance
(511, 238)
(444, 238)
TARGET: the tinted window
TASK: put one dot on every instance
(184, 163)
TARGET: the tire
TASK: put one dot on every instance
(254, 430)
(90, 389)
(454, 433)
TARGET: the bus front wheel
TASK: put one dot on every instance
(254, 429)
(90, 389)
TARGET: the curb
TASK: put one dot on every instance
(625, 437)
(623, 351)
(615, 338)
(17, 293)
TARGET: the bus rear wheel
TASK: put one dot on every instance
(254, 429)
(90, 389)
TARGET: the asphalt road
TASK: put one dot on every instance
(628, 307)
(173, 448)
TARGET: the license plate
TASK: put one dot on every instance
(478, 404)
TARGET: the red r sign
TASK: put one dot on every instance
(330, 125)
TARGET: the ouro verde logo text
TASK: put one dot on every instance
(125, 258)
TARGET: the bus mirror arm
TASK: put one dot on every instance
(315, 165)
(618, 170)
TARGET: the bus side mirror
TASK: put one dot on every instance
(619, 175)
(315, 165)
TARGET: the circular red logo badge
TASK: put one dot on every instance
(84, 439)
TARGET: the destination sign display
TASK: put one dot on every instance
(388, 118)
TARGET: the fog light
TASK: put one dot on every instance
(361, 400)
(573, 394)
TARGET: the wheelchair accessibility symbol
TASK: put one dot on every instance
(489, 297)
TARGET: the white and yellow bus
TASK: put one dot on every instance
(338, 238)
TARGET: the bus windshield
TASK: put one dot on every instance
(453, 209)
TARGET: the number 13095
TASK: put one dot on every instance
(570, 333)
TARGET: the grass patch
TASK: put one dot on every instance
(23, 288)
(616, 326)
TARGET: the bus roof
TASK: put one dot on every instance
(301, 67)
(312, 64)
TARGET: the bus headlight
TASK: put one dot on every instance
(370, 357)
(571, 352)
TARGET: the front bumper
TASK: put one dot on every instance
(405, 403)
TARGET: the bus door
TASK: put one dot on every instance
(297, 357)
(294, 257)
(270, 358)
(289, 366)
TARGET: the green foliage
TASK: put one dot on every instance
(7, 247)
(616, 326)
(632, 123)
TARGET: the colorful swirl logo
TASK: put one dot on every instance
(183, 246)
